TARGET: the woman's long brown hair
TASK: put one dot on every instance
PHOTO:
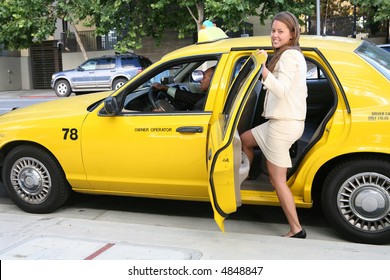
(293, 25)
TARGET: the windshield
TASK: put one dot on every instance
(376, 56)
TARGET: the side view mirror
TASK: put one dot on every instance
(197, 75)
(111, 106)
(79, 68)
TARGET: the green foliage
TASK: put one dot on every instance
(376, 14)
(379, 10)
(74, 11)
(25, 22)
(134, 19)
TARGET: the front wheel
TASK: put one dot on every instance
(34, 180)
(356, 200)
(62, 88)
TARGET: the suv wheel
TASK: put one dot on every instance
(62, 88)
(356, 200)
(118, 83)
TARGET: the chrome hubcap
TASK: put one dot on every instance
(31, 180)
(118, 85)
(364, 201)
(62, 89)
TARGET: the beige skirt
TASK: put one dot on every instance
(275, 137)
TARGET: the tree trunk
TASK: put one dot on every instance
(200, 18)
(200, 8)
(80, 43)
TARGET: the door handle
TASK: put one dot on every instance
(190, 129)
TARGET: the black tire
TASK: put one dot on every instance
(119, 83)
(356, 200)
(34, 180)
(62, 88)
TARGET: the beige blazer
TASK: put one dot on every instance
(286, 88)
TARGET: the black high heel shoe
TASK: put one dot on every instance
(301, 234)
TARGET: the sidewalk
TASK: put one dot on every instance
(99, 234)
(28, 93)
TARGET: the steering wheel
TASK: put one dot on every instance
(159, 104)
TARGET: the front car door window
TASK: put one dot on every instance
(90, 65)
(177, 75)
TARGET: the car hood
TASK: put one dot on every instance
(59, 109)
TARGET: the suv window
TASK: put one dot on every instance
(131, 62)
(89, 65)
(106, 63)
(145, 62)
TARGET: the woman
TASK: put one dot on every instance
(285, 109)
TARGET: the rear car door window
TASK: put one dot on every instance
(106, 63)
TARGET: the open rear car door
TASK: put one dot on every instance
(227, 165)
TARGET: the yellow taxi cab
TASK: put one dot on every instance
(141, 142)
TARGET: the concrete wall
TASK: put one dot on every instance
(169, 43)
(10, 73)
(70, 60)
(26, 70)
(376, 40)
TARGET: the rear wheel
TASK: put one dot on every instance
(118, 83)
(356, 200)
(34, 180)
(62, 88)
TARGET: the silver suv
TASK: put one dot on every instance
(99, 74)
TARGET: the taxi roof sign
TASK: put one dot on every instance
(211, 34)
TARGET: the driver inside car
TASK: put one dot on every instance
(190, 100)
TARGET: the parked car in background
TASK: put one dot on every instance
(386, 47)
(117, 143)
(99, 74)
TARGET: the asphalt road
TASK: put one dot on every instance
(21, 98)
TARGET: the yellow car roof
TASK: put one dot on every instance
(225, 45)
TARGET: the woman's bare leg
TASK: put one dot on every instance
(248, 143)
(278, 177)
